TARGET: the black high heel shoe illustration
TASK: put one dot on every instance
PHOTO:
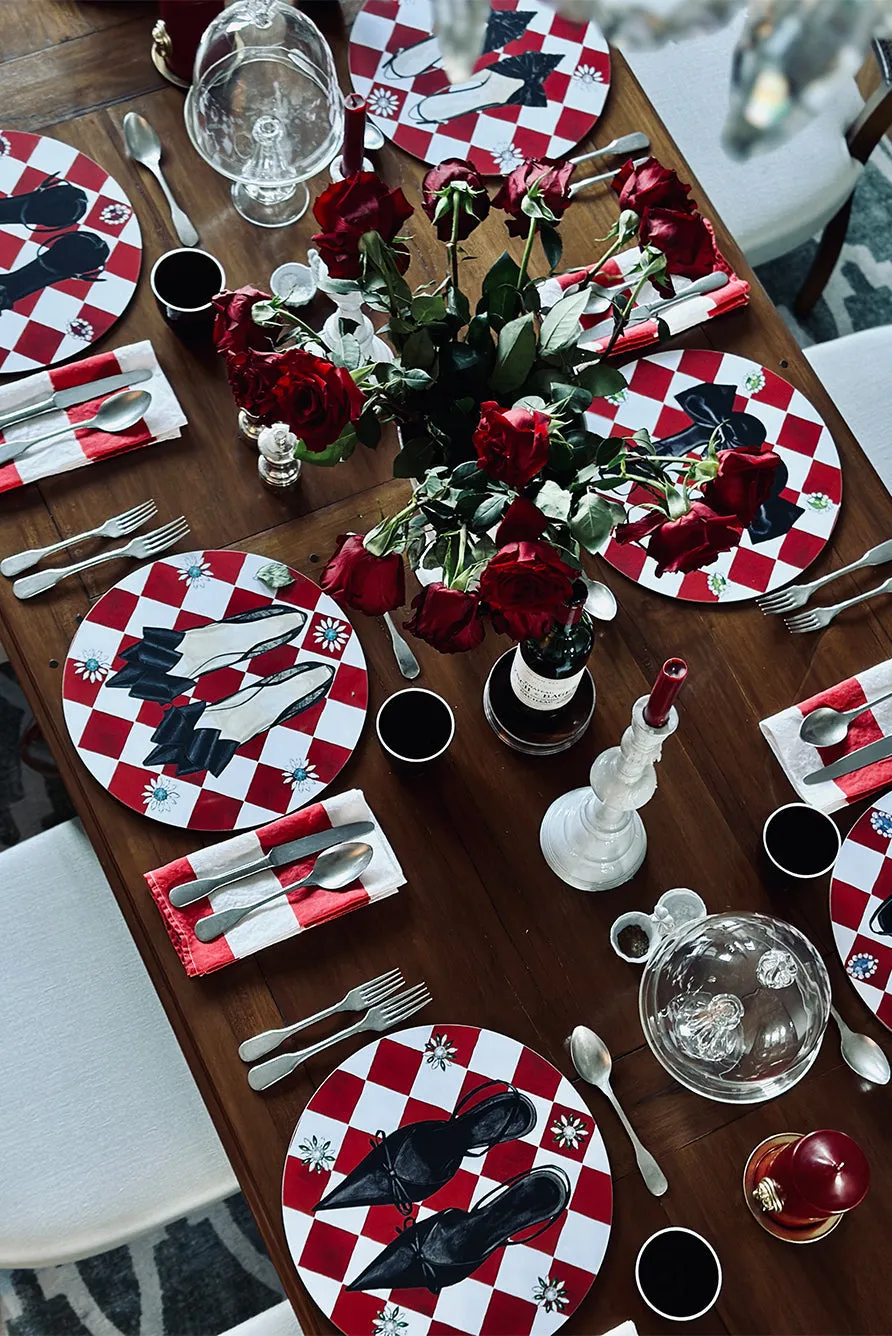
(53, 205)
(502, 27)
(415, 1161)
(448, 1247)
(711, 410)
(515, 80)
(68, 255)
(775, 516)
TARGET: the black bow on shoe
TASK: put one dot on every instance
(711, 409)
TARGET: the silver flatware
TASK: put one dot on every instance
(373, 139)
(78, 394)
(190, 891)
(119, 413)
(863, 1054)
(825, 726)
(144, 146)
(405, 659)
(592, 1060)
(333, 870)
(382, 1017)
(880, 750)
(633, 143)
(817, 618)
(600, 602)
(117, 527)
(604, 176)
(787, 600)
(366, 995)
(708, 283)
(139, 549)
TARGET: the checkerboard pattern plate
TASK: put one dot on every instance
(795, 432)
(500, 138)
(63, 320)
(422, 1073)
(862, 879)
(271, 774)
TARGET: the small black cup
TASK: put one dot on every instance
(415, 726)
(678, 1274)
(184, 281)
(801, 841)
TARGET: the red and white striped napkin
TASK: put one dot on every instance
(305, 908)
(798, 758)
(162, 422)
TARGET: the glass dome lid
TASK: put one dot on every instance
(735, 1006)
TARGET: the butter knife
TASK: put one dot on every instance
(190, 891)
(881, 750)
(77, 394)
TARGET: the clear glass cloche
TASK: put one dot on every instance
(735, 1006)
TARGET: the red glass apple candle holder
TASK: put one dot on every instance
(803, 1184)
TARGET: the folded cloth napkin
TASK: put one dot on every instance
(163, 420)
(799, 758)
(304, 908)
(597, 320)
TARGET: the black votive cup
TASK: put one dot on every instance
(415, 726)
(793, 836)
(184, 281)
(677, 1269)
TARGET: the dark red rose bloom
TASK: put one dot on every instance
(316, 398)
(526, 586)
(684, 239)
(252, 379)
(473, 208)
(743, 484)
(448, 619)
(363, 581)
(234, 330)
(522, 521)
(552, 179)
(686, 544)
(511, 443)
(348, 209)
(650, 186)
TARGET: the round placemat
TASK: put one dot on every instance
(223, 730)
(683, 395)
(538, 88)
(425, 1073)
(862, 880)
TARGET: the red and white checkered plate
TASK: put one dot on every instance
(794, 431)
(548, 83)
(422, 1073)
(62, 320)
(272, 773)
(862, 879)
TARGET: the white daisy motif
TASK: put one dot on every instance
(300, 775)
(5, 146)
(862, 966)
(818, 501)
(716, 584)
(569, 1131)
(80, 329)
(550, 1294)
(116, 213)
(440, 1052)
(316, 1155)
(383, 102)
(331, 634)
(91, 667)
(507, 156)
(754, 381)
(195, 570)
(588, 74)
(882, 824)
(389, 1322)
(160, 795)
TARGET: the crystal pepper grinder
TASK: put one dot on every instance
(277, 465)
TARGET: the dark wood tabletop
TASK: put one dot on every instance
(501, 941)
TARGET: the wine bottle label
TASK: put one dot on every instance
(541, 693)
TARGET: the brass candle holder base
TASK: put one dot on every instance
(160, 52)
(807, 1233)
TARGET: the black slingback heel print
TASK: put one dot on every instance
(54, 204)
(502, 27)
(68, 255)
(514, 81)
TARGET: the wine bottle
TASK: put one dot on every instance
(546, 673)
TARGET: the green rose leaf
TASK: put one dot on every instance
(428, 310)
(552, 245)
(415, 458)
(340, 449)
(601, 379)
(553, 501)
(560, 328)
(489, 511)
(515, 355)
(593, 520)
(368, 430)
(418, 351)
(499, 296)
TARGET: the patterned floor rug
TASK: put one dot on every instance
(201, 1276)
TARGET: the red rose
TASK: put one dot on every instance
(252, 379)
(552, 182)
(348, 209)
(650, 186)
(526, 586)
(684, 239)
(448, 619)
(522, 521)
(234, 330)
(686, 544)
(743, 484)
(363, 581)
(316, 398)
(511, 443)
(474, 201)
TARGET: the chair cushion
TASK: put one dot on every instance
(102, 1131)
(277, 1321)
(774, 201)
(857, 374)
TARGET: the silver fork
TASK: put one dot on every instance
(787, 600)
(366, 995)
(818, 618)
(140, 549)
(382, 1017)
(602, 176)
(117, 527)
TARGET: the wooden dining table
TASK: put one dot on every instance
(499, 939)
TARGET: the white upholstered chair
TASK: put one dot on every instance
(103, 1133)
(277, 1321)
(857, 373)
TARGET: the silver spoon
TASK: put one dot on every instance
(373, 139)
(118, 413)
(600, 602)
(863, 1054)
(405, 659)
(333, 871)
(144, 146)
(825, 726)
(591, 1058)
(634, 143)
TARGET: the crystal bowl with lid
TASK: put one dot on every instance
(735, 1006)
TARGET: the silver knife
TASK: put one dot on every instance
(78, 394)
(652, 310)
(190, 891)
(881, 750)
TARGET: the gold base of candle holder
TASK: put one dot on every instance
(160, 51)
(807, 1233)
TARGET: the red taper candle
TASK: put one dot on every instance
(817, 1176)
(185, 21)
(355, 112)
(670, 680)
